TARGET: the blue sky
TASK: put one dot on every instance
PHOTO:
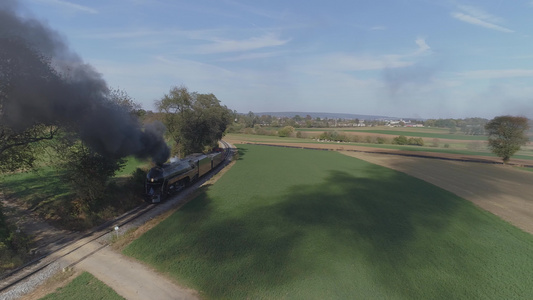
(402, 58)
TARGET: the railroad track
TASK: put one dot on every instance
(38, 264)
(77, 242)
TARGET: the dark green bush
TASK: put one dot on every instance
(400, 140)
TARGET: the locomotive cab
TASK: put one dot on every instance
(154, 184)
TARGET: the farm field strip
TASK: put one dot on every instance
(326, 227)
(522, 154)
(393, 129)
(446, 136)
(409, 133)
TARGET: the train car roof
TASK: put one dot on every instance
(174, 167)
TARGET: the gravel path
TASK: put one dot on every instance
(128, 277)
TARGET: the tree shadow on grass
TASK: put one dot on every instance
(381, 216)
(396, 223)
(417, 240)
(241, 152)
(33, 189)
(384, 210)
(224, 257)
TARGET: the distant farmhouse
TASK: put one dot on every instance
(402, 123)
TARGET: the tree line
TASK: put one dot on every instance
(468, 126)
(251, 120)
(506, 134)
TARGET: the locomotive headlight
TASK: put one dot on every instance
(151, 180)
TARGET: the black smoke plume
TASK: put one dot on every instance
(43, 82)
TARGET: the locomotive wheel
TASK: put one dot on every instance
(180, 185)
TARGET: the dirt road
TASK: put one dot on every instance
(128, 277)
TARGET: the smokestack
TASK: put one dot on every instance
(43, 81)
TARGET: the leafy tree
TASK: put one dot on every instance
(415, 141)
(381, 140)
(124, 101)
(87, 171)
(506, 135)
(176, 106)
(453, 129)
(265, 120)
(285, 131)
(400, 140)
(206, 124)
(250, 119)
(333, 136)
(194, 121)
(18, 75)
(18, 148)
(430, 123)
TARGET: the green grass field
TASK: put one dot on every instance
(304, 224)
(86, 287)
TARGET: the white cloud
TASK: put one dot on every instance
(227, 45)
(422, 45)
(205, 34)
(347, 62)
(350, 62)
(475, 21)
(254, 9)
(251, 56)
(70, 6)
(207, 41)
(479, 17)
(378, 28)
(479, 13)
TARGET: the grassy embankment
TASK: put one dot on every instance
(86, 287)
(303, 224)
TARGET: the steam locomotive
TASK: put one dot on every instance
(169, 178)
